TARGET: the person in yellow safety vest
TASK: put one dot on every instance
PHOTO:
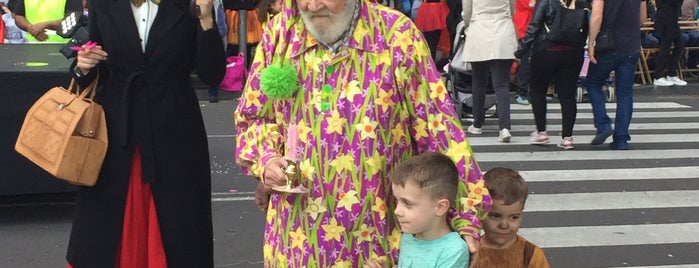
(37, 17)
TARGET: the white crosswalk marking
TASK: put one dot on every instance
(615, 235)
(626, 202)
(612, 200)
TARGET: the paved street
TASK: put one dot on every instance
(589, 207)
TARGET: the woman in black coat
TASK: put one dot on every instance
(157, 139)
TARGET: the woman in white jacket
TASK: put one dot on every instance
(490, 44)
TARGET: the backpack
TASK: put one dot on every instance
(570, 25)
(528, 253)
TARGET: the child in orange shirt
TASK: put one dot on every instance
(500, 245)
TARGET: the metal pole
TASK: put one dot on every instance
(242, 35)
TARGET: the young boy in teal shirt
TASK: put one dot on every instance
(425, 188)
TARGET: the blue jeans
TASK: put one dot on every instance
(692, 40)
(624, 66)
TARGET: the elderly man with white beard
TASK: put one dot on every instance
(344, 90)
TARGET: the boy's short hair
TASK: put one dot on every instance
(430, 171)
(506, 185)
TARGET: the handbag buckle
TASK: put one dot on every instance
(61, 106)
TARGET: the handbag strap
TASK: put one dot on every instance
(90, 89)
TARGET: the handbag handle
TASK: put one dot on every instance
(91, 88)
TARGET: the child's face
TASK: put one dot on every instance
(276, 6)
(501, 224)
(416, 210)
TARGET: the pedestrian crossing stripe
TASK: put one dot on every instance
(636, 115)
(612, 235)
(574, 155)
(479, 140)
(588, 106)
(659, 173)
(582, 127)
(661, 266)
(612, 200)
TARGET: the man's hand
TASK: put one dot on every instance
(38, 31)
(273, 174)
(261, 197)
(591, 54)
(472, 249)
(377, 263)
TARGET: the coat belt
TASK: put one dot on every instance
(144, 138)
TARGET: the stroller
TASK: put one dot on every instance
(608, 88)
(458, 80)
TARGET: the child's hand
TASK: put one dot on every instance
(374, 263)
(472, 249)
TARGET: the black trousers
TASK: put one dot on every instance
(432, 38)
(561, 68)
(523, 75)
(666, 59)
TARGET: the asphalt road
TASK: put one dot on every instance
(34, 230)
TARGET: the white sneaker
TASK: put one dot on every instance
(474, 130)
(663, 82)
(676, 81)
(504, 135)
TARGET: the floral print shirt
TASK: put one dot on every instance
(359, 113)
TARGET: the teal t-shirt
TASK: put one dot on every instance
(444, 252)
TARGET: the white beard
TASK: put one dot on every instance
(326, 26)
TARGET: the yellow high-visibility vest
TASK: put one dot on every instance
(45, 10)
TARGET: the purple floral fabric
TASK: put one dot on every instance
(358, 113)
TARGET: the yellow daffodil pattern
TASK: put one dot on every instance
(359, 112)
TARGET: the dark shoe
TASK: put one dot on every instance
(601, 137)
(213, 99)
(619, 145)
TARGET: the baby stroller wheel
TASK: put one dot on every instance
(579, 95)
(610, 94)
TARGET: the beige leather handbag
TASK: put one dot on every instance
(65, 133)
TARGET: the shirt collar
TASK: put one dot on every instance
(361, 35)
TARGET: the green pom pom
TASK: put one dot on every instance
(279, 81)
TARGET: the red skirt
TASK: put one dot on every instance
(141, 245)
(432, 16)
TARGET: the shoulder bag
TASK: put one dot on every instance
(570, 25)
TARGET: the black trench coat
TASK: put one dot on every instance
(150, 104)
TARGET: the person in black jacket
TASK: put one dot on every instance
(556, 62)
(151, 206)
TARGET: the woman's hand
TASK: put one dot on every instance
(206, 17)
(88, 58)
